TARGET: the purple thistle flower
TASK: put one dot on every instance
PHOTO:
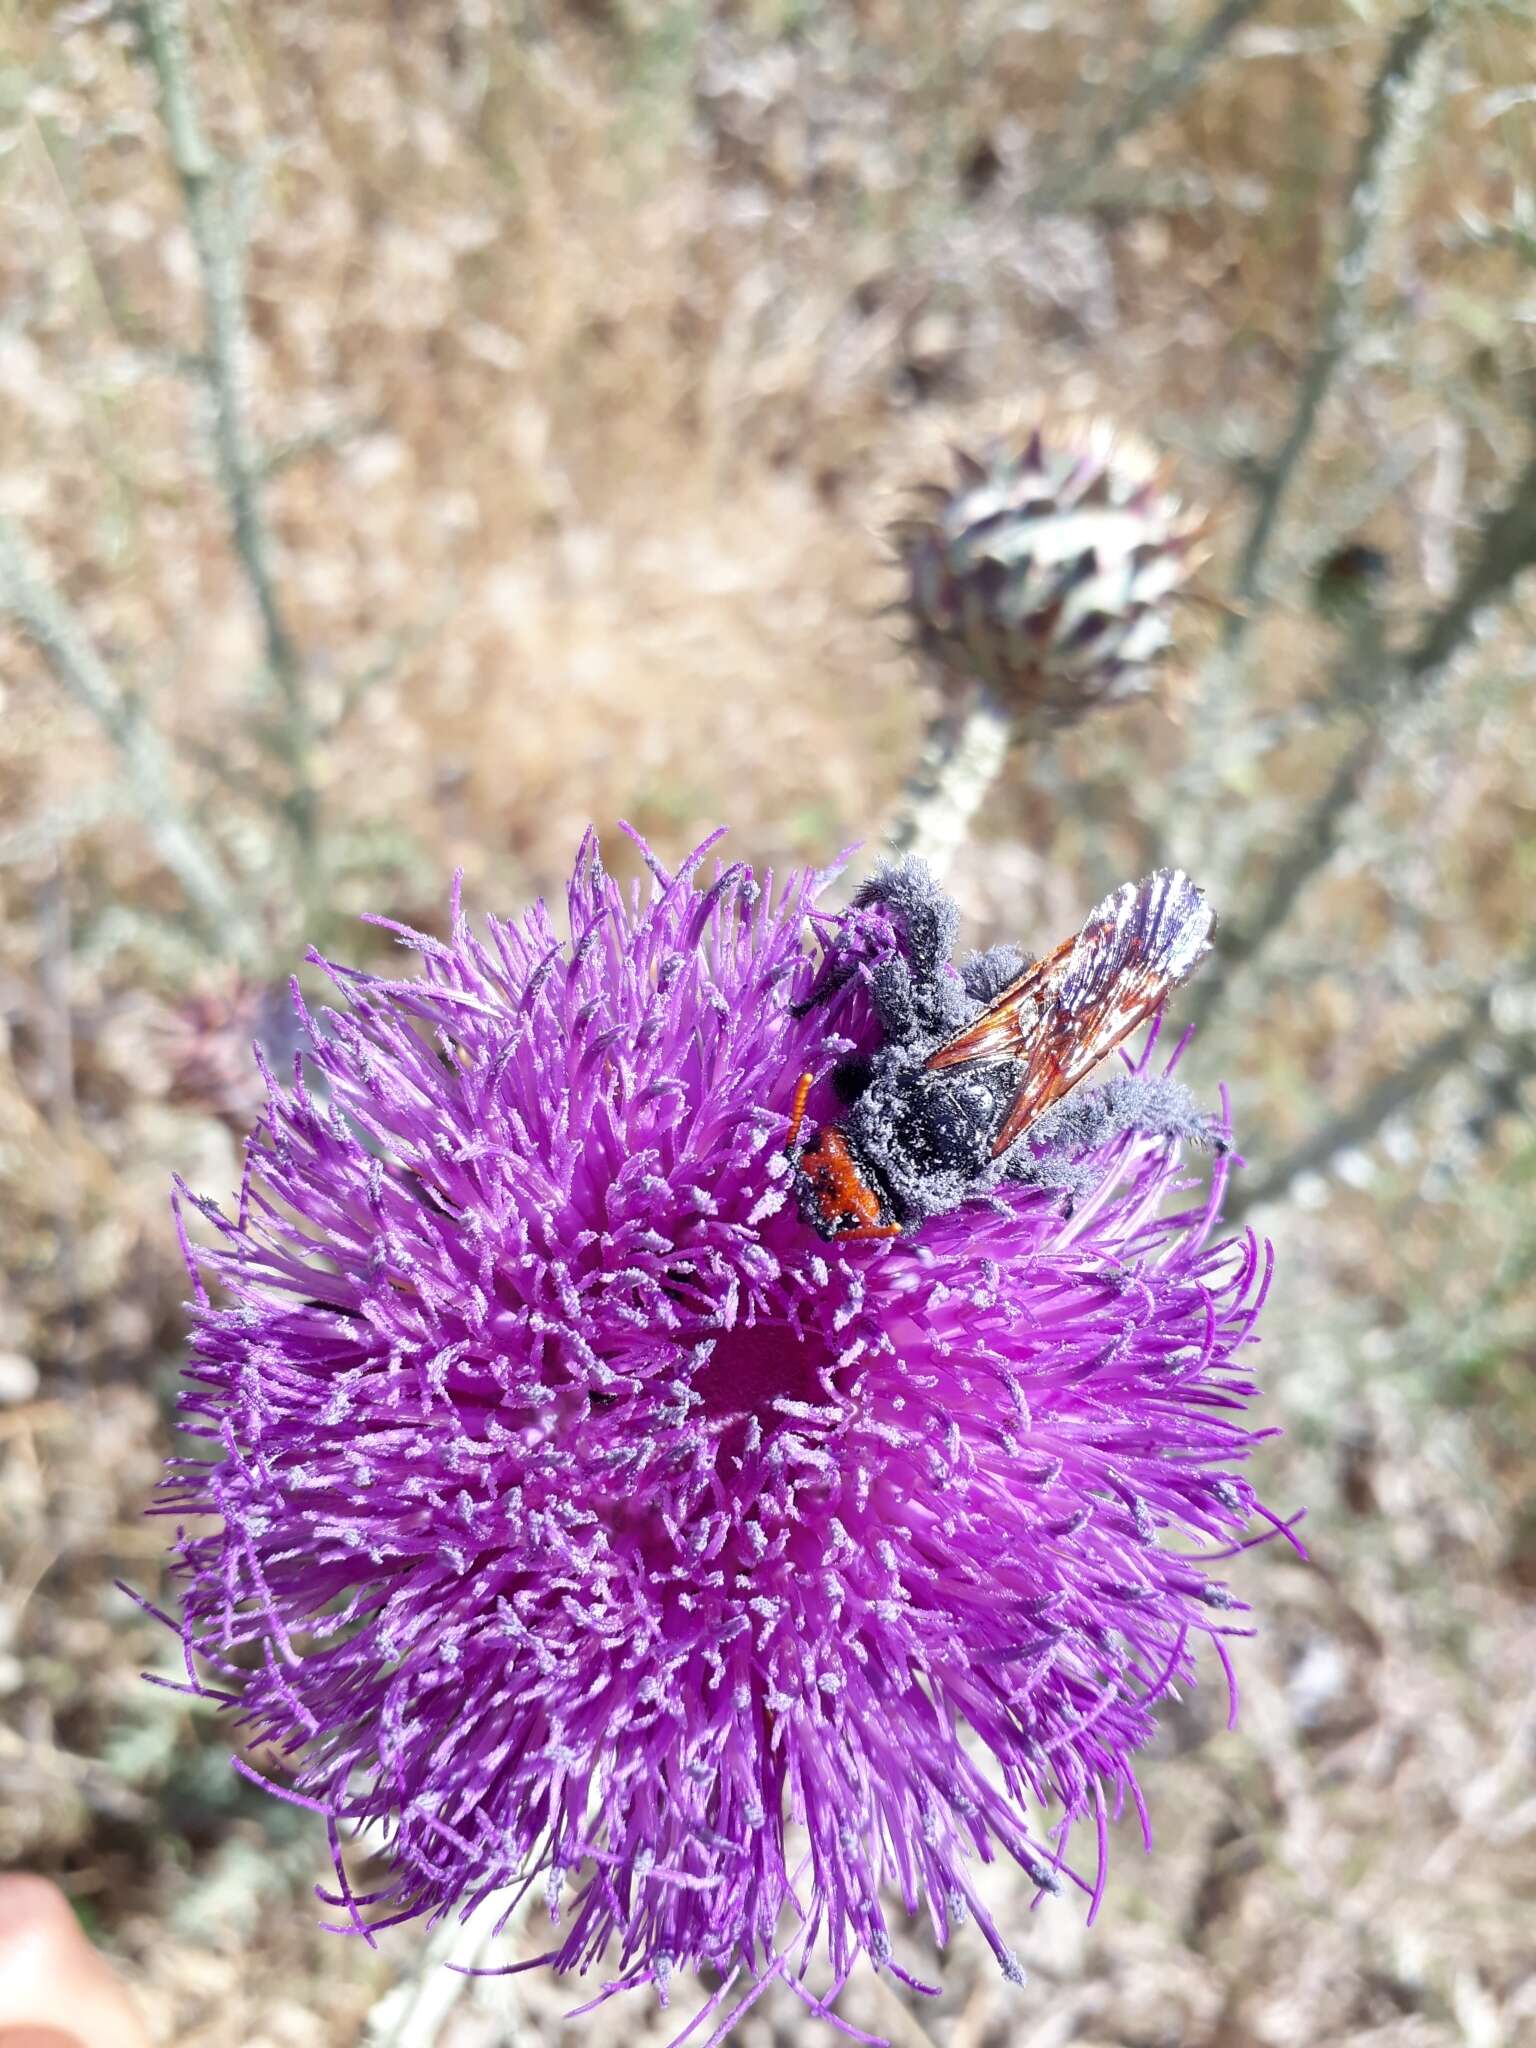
(583, 1518)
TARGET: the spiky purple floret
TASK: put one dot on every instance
(583, 1517)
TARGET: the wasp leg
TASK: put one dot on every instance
(870, 1230)
(894, 989)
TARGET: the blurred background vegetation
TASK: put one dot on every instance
(427, 426)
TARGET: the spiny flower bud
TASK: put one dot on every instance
(1049, 573)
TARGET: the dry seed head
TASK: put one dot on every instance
(1049, 571)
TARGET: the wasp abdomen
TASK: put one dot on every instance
(834, 1190)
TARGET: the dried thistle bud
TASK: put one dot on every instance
(1049, 572)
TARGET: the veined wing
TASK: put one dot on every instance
(1060, 1017)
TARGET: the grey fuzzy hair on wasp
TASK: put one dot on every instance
(971, 1085)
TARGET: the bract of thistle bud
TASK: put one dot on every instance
(1048, 571)
(561, 1510)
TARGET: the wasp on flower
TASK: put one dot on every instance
(932, 1124)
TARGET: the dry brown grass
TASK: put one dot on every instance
(617, 325)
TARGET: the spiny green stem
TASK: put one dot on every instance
(27, 595)
(1506, 546)
(242, 466)
(1364, 1118)
(964, 754)
(1397, 106)
(1170, 76)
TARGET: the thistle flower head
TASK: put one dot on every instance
(582, 1519)
(1049, 571)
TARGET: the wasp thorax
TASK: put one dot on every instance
(1049, 572)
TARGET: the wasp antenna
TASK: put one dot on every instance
(797, 1111)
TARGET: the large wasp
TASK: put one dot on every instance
(937, 1114)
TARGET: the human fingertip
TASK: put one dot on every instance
(33, 1906)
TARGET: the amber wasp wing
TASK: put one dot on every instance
(1060, 1017)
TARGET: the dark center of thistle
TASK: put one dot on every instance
(752, 1367)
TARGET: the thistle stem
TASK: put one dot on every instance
(1170, 76)
(226, 369)
(1358, 1124)
(1398, 105)
(1506, 547)
(61, 639)
(964, 753)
